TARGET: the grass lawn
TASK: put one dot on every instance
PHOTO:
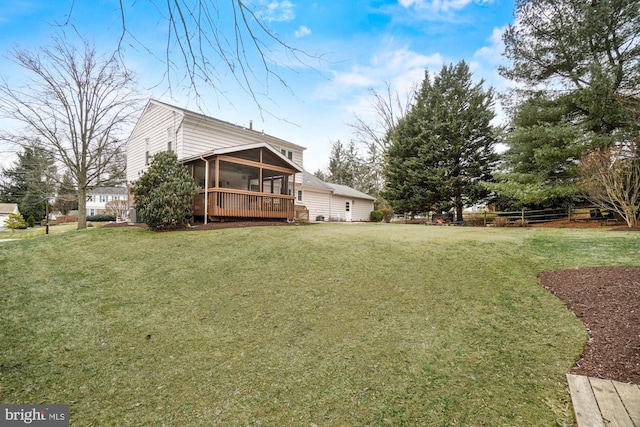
(37, 231)
(332, 324)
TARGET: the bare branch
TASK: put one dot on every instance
(199, 51)
(77, 103)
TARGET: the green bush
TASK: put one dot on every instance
(164, 193)
(101, 218)
(15, 221)
(376, 216)
(31, 221)
(387, 214)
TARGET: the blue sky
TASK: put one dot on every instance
(363, 45)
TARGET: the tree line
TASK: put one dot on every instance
(573, 128)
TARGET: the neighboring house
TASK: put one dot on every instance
(5, 210)
(333, 202)
(242, 173)
(98, 197)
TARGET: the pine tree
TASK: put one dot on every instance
(444, 147)
(540, 168)
(29, 182)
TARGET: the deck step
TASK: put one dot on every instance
(600, 403)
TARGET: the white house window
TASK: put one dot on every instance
(170, 135)
(299, 195)
(103, 198)
(347, 206)
(92, 212)
(288, 154)
(146, 153)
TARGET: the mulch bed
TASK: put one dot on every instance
(606, 299)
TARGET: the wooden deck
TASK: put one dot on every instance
(604, 403)
(229, 203)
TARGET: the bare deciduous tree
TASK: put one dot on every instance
(77, 103)
(611, 178)
(387, 108)
(117, 208)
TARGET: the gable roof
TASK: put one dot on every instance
(237, 148)
(7, 208)
(108, 190)
(311, 180)
(343, 190)
(241, 130)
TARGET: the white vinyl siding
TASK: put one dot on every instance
(318, 202)
(195, 134)
(360, 208)
(201, 135)
(151, 126)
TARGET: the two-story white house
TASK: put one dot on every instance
(242, 173)
(98, 197)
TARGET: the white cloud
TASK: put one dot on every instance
(302, 31)
(438, 6)
(493, 52)
(485, 63)
(276, 11)
(401, 67)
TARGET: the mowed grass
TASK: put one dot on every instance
(324, 325)
(38, 231)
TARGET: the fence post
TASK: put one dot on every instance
(485, 218)
(522, 216)
(569, 213)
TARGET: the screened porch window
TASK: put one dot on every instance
(275, 182)
(199, 174)
(239, 177)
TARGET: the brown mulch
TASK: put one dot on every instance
(607, 300)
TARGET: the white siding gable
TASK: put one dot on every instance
(193, 134)
(151, 134)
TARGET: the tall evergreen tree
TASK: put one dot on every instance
(30, 181)
(444, 147)
(587, 50)
(579, 63)
(540, 168)
(372, 132)
(345, 165)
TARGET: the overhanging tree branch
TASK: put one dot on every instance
(199, 50)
